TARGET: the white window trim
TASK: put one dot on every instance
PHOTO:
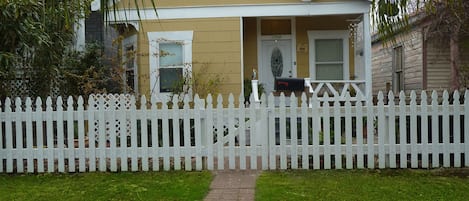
(333, 34)
(127, 42)
(397, 88)
(155, 38)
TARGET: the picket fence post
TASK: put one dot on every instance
(209, 132)
(112, 120)
(337, 133)
(446, 154)
(231, 130)
(435, 131)
(326, 132)
(456, 129)
(70, 135)
(424, 127)
(316, 121)
(272, 134)
(304, 132)
(19, 135)
(29, 136)
(254, 132)
(60, 134)
(359, 133)
(466, 128)
(198, 108)
(370, 132)
(81, 135)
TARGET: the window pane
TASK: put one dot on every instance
(130, 57)
(329, 50)
(169, 79)
(171, 54)
(329, 72)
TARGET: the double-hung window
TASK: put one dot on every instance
(129, 48)
(328, 55)
(171, 66)
(170, 61)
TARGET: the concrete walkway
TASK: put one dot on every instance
(233, 185)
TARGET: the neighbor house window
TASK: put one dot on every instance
(328, 55)
(398, 69)
(170, 61)
(129, 48)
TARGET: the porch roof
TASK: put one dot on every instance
(249, 10)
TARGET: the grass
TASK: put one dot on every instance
(364, 185)
(106, 186)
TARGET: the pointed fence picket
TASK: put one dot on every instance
(111, 133)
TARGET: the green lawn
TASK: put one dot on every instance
(106, 186)
(364, 185)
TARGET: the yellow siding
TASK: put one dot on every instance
(216, 46)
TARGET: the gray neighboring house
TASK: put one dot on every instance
(417, 61)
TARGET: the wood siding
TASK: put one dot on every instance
(438, 65)
(381, 67)
(382, 62)
(216, 49)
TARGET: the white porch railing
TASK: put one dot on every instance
(334, 88)
(337, 88)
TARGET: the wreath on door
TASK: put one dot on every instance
(276, 62)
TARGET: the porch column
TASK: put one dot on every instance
(367, 53)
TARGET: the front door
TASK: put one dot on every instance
(276, 62)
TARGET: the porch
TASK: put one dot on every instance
(331, 53)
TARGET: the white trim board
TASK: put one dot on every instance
(260, 10)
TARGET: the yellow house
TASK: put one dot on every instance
(326, 42)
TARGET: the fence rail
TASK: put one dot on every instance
(111, 133)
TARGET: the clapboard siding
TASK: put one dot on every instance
(381, 67)
(438, 65)
(382, 62)
(216, 50)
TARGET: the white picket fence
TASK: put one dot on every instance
(113, 134)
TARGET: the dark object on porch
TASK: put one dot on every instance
(289, 84)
